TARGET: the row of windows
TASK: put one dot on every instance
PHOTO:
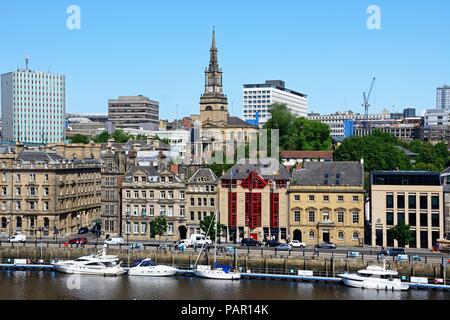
(31, 205)
(412, 219)
(143, 228)
(31, 177)
(326, 216)
(32, 191)
(203, 202)
(145, 211)
(325, 198)
(5, 222)
(412, 201)
(151, 194)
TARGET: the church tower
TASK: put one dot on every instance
(213, 102)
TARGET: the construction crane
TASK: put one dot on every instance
(366, 104)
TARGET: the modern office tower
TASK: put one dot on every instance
(134, 112)
(409, 113)
(443, 97)
(258, 98)
(33, 106)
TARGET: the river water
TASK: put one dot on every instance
(56, 286)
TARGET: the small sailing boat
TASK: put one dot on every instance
(216, 272)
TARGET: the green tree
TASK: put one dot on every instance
(379, 151)
(297, 133)
(102, 137)
(402, 233)
(121, 136)
(159, 226)
(79, 138)
(209, 226)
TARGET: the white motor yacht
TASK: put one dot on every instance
(218, 273)
(100, 264)
(149, 268)
(374, 277)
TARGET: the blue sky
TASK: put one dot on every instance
(161, 48)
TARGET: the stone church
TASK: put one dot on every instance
(219, 130)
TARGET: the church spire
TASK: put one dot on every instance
(213, 64)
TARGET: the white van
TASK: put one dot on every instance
(114, 241)
(20, 238)
(200, 240)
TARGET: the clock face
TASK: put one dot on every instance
(211, 89)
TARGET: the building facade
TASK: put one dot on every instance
(202, 199)
(150, 192)
(327, 203)
(259, 98)
(414, 197)
(46, 195)
(443, 97)
(134, 112)
(33, 107)
(253, 200)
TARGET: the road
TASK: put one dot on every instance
(366, 253)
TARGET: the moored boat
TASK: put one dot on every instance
(374, 277)
(149, 268)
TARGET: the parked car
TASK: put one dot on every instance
(199, 240)
(393, 252)
(416, 258)
(78, 241)
(326, 245)
(353, 254)
(250, 242)
(272, 243)
(402, 257)
(283, 247)
(186, 242)
(20, 238)
(114, 241)
(83, 230)
(136, 246)
(297, 244)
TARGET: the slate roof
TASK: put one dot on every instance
(203, 172)
(326, 155)
(264, 166)
(39, 156)
(238, 122)
(150, 170)
(329, 173)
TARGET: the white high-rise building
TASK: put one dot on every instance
(443, 97)
(33, 107)
(258, 98)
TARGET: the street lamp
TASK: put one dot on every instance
(128, 227)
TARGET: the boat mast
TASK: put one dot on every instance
(215, 238)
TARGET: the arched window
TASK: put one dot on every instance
(341, 235)
(355, 236)
(46, 223)
(208, 108)
(311, 235)
(222, 108)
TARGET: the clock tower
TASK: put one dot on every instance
(213, 102)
